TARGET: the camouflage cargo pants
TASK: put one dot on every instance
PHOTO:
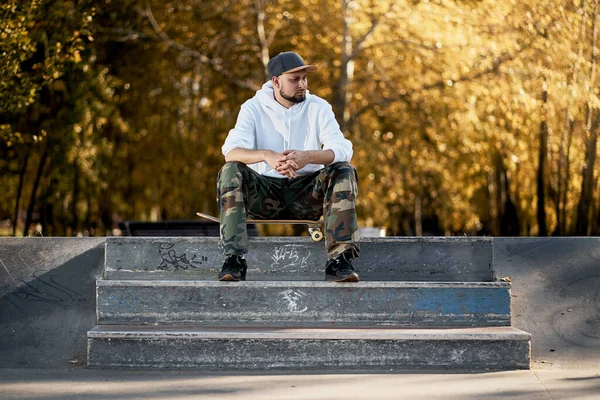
(330, 192)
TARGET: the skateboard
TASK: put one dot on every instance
(314, 227)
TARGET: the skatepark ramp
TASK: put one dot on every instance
(48, 289)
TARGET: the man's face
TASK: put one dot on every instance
(292, 87)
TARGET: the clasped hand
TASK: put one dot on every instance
(290, 161)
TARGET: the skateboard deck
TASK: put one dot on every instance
(314, 227)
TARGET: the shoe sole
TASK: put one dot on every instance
(353, 277)
(228, 278)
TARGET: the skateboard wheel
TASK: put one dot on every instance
(316, 236)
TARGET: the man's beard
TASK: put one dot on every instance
(293, 99)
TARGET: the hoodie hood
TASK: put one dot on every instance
(266, 97)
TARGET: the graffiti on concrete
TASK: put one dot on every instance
(127, 300)
(171, 261)
(45, 289)
(288, 257)
(292, 298)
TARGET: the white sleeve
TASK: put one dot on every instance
(243, 135)
(332, 138)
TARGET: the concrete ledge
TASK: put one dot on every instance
(294, 331)
(386, 303)
(447, 259)
(251, 348)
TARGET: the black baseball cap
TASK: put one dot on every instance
(287, 63)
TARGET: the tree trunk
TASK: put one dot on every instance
(563, 217)
(507, 216)
(561, 192)
(262, 36)
(106, 218)
(341, 94)
(46, 208)
(591, 128)
(509, 223)
(499, 195)
(493, 205)
(597, 231)
(36, 183)
(542, 156)
(20, 189)
(74, 216)
(595, 210)
(587, 186)
(418, 215)
(87, 223)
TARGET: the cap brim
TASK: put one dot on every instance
(307, 68)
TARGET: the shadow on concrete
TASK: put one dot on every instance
(44, 321)
(586, 378)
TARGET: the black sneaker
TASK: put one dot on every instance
(340, 269)
(234, 269)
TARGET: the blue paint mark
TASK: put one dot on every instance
(112, 298)
(462, 301)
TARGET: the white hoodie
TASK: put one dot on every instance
(264, 124)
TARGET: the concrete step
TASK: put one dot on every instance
(378, 303)
(246, 348)
(442, 259)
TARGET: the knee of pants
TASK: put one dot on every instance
(231, 174)
(341, 166)
(342, 170)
